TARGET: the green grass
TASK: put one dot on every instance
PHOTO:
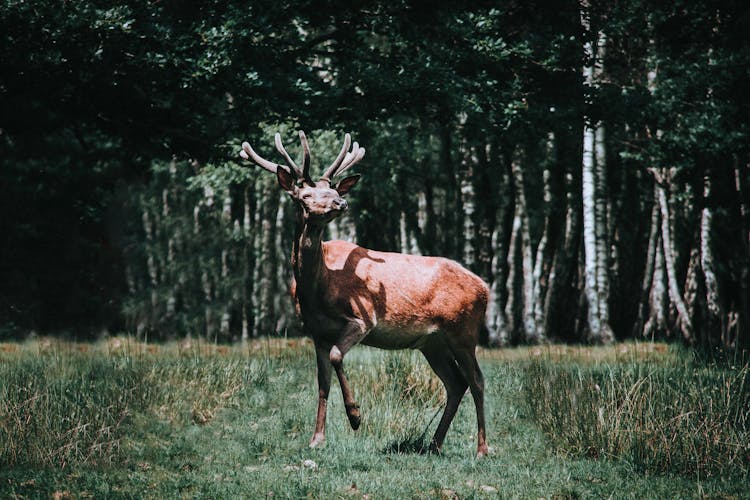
(673, 416)
(121, 419)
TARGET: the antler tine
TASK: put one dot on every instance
(331, 171)
(247, 153)
(289, 161)
(351, 159)
(306, 158)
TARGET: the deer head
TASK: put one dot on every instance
(321, 201)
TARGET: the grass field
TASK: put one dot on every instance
(125, 419)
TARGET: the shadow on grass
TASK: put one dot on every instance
(410, 445)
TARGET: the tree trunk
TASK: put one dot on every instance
(595, 268)
(268, 204)
(544, 251)
(648, 274)
(469, 204)
(226, 299)
(601, 209)
(501, 248)
(282, 303)
(497, 323)
(427, 217)
(714, 313)
(514, 305)
(486, 190)
(675, 296)
(172, 239)
(743, 197)
(656, 326)
(520, 311)
(597, 330)
(147, 321)
(247, 265)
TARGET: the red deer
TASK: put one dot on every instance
(347, 295)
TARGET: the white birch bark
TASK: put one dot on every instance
(589, 234)
(602, 232)
(403, 236)
(152, 268)
(657, 321)
(520, 288)
(527, 260)
(175, 237)
(655, 284)
(513, 283)
(468, 199)
(495, 312)
(496, 319)
(675, 295)
(648, 275)
(594, 212)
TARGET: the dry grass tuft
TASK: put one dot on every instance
(683, 418)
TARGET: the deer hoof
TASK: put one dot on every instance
(432, 449)
(482, 452)
(352, 411)
(317, 441)
(354, 420)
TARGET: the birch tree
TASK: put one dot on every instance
(594, 206)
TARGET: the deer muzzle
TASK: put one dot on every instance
(340, 204)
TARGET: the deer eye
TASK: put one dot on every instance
(306, 196)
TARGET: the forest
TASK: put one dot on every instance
(590, 161)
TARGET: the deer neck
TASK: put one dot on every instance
(307, 259)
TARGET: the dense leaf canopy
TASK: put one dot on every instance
(110, 110)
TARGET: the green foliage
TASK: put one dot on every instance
(98, 99)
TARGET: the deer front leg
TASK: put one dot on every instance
(352, 335)
(324, 386)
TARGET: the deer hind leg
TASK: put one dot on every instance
(467, 363)
(351, 336)
(324, 386)
(443, 363)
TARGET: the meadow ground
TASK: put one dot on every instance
(121, 418)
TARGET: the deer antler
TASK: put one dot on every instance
(345, 160)
(331, 171)
(352, 158)
(306, 158)
(280, 148)
(247, 153)
(298, 173)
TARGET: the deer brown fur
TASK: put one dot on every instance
(347, 295)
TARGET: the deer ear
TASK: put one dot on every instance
(346, 184)
(286, 180)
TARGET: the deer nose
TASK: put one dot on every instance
(340, 204)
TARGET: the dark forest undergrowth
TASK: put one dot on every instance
(121, 418)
